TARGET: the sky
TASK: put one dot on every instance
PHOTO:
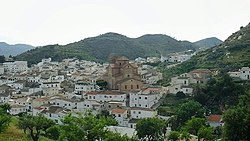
(43, 22)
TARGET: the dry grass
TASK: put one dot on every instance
(15, 134)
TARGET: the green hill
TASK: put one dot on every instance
(232, 54)
(207, 43)
(6, 49)
(101, 47)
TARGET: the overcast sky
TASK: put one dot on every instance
(42, 22)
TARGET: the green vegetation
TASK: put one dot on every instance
(237, 120)
(220, 93)
(35, 125)
(102, 84)
(4, 117)
(102, 47)
(170, 104)
(208, 42)
(150, 128)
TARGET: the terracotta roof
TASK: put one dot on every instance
(93, 93)
(143, 109)
(118, 111)
(214, 118)
(201, 71)
(39, 108)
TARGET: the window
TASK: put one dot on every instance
(139, 97)
(146, 97)
(243, 71)
(137, 86)
(132, 87)
(139, 112)
(146, 105)
(119, 115)
(139, 105)
(125, 86)
(128, 75)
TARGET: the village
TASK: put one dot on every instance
(126, 89)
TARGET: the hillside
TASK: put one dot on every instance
(207, 43)
(6, 49)
(101, 47)
(230, 55)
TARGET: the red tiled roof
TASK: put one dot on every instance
(118, 111)
(214, 118)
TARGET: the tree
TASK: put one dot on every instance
(180, 95)
(102, 84)
(237, 120)
(187, 110)
(174, 136)
(206, 133)
(193, 125)
(85, 127)
(53, 132)
(185, 136)
(5, 107)
(34, 124)
(110, 136)
(4, 120)
(151, 128)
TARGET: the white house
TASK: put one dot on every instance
(65, 103)
(107, 96)
(82, 87)
(245, 73)
(146, 98)
(86, 104)
(4, 93)
(16, 109)
(121, 116)
(55, 113)
(138, 113)
(16, 66)
(25, 101)
(50, 88)
(57, 78)
(215, 120)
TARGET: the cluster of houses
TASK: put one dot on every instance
(184, 82)
(177, 57)
(56, 89)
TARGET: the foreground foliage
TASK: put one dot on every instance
(150, 128)
(35, 125)
(237, 120)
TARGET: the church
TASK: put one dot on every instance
(122, 75)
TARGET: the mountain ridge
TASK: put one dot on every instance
(101, 47)
(231, 55)
(15, 49)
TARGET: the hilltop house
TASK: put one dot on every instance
(243, 73)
